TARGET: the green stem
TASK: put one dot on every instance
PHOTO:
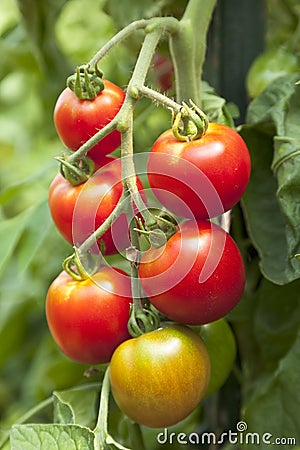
(168, 23)
(103, 439)
(144, 61)
(112, 125)
(129, 173)
(101, 429)
(187, 48)
(119, 208)
(160, 98)
(117, 39)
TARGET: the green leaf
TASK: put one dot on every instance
(274, 408)
(261, 208)
(271, 203)
(10, 232)
(276, 322)
(76, 405)
(215, 107)
(35, 230)
(54, 437)
(63, 412)
(27, 230)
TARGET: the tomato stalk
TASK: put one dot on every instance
(143, 318)
(73, 264)
(168, 24)
(102, 438)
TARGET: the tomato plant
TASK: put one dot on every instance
(78, 211)
(220, 343)
(88, 318)
(202, 178)
(149, 377)
(197, 277)
(77, 120)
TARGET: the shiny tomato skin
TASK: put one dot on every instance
(88, 319)
(209, 175)
(77, 120)
(158, 378)
(198, 277)
(78, 210)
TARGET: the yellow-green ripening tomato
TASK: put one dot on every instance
(158, 378)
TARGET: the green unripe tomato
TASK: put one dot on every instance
(221, 346)
(267, 67)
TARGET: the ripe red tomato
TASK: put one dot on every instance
(78, 210)
(88, 319)
(158, 378)
(78, 120)
(197, 277)
(202, 178)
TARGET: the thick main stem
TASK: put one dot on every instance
(188, 48)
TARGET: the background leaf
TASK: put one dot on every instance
(275, 405)
(271, 204)
(56, 437)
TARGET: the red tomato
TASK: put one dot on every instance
(78, 120)
(202, 178)
(88, 319)
(78, 211)
(158, 378)
(163, 72)
(198, 276)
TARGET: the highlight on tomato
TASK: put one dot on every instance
(197, 277)
(77, 120)
(208, 175)
(88, 318)
(160, 377)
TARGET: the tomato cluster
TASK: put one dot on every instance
(192, 279)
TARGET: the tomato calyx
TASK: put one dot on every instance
(189, 123)
(86, 82)
(159, 231)
(143, 318)
(77, 172)
(74, 267)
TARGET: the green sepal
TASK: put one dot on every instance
(86, 82)
(78, 172)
